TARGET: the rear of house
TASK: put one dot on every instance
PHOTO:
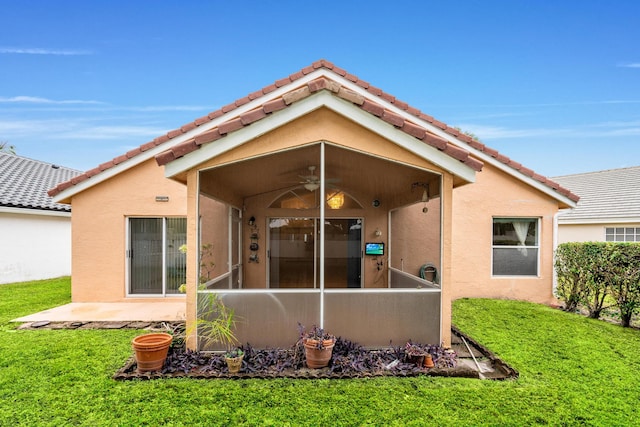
(319, 199)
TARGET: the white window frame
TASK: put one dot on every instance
(515, 247)
(623, 232)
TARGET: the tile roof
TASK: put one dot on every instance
(605, 196)
(239, 121)
(24, 183)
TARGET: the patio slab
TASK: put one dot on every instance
(110, 312)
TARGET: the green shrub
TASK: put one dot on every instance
(592, 273)
(623, 275)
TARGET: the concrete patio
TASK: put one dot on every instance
(110, 312)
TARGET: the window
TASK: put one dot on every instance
(156, 265)
(622, 234)
(515, 246)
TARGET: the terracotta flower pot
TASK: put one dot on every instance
(428, 361)
(151, 350)
(318, 357)
(234, 364)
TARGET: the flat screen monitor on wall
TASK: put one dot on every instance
(374, 248)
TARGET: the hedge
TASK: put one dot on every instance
(594, 274)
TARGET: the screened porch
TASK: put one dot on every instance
(323, 235)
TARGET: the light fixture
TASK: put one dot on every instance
(425, 194)
(312, 186)
(336, 200)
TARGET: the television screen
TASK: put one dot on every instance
(374, 248)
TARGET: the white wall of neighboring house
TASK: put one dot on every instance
(34, 245)
(589, 232)
(580, 233)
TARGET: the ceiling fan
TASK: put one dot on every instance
(312, 181)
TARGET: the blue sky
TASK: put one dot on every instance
(554, 85)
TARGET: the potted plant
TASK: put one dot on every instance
(318, 346)
(234, 360)
(215, 326)
(151, 351)
(414, 353)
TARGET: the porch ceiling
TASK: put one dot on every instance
(350, 171)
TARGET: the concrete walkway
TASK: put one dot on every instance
(110, 312)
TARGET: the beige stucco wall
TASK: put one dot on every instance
(495, 194)
(99, 229)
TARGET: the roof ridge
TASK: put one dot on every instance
(597, 172)
(322, 63)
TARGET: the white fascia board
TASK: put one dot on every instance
(586, 221)
(27, 211)
(146, 155)
(305, 106)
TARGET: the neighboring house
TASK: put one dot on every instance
(318, 199)
(35, 231)
(609, 207)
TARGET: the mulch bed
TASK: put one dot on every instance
(349, 361)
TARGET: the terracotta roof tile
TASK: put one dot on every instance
(414, 130)
(229, 107)
(208, 136)
(351, 96)
(176, 132)
(275, 105)
(373, 108)
(474, 163)
(392, 118)
(120, 159)
(215, 114)
(189, 126)
(283, 82)
(252, 116)
(240, 102)
(323, 83)
(435, 141)
(184, 148)
(230, 126)
(165, 157)
(456, 152)
(148, 146)
(202, 120)
(297, 75)
(132, 153)
(296, 95)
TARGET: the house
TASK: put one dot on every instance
(36, 231)
(319, 199)
(609, 207)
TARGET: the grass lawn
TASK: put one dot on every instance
(573, 371)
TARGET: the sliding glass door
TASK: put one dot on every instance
(156, 266)
(294, 253)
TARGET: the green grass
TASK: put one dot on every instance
(573, 371)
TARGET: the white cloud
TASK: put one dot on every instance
(630, 65)
(39, 100)
(595, 130)
(79, 129)
(40, 51)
